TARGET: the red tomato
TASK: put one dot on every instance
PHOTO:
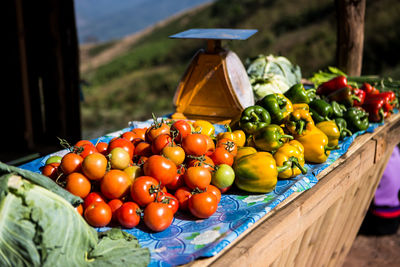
(158, 216)
(144, 189)
(215, 191)
(198, 177)
(203, 205)
(115, 204)
(140, 133)
(51, 170)
(178, 181)
(130, 136)
(183, 194)
(228, 144)
(115, 184)
(156, 130)
(122, 142)
(129, 215)
(194, 144)
(71, 162)
(102, 148)
(85, 150)
(92, 198)
(94, 166)
(204, 161)
(210, 145)
(98, 214)
(160, 168)
(82, 143)
(78, 184)
(170, 200)
(143, 149)
(182, 128)
(222, 156)
(160, 142)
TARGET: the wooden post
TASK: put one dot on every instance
(350, 35)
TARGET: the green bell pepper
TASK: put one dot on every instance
(297, 94)
(321, 110)
(254, 118)
(311, 94)
(270, 138)
(278, 106)
(357, 119)
(338, 109)
(342, 125)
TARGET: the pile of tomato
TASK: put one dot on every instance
(148, 174)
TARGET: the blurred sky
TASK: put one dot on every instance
(105, 20)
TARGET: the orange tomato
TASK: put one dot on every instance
(78, 184)
(198, 177)
(140, 133)
(94, 166)
(162, 169)
(115, 184)
(174, 153)
(70, 163)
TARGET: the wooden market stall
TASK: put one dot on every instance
(317, 227)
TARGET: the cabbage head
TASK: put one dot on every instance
(41, 228)
(270, 74)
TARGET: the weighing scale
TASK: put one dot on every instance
(215, 86)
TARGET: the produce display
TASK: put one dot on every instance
(150, 173)
(141, 178)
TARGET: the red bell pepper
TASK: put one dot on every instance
(389, 97)
(375, 109)
(332, 85)
(369, 89)
(361, 97)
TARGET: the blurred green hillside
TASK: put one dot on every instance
(144, 78)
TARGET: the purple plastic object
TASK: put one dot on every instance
(389, 186)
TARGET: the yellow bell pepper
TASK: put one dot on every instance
(299, 122)
(301, 106)
(331, 130)
(316, 148)
(290, 154)
(237, 136)
(244, 151)
(256, 172)
(203, 126)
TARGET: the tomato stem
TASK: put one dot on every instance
(64, 143)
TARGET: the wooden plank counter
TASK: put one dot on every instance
(317, 227)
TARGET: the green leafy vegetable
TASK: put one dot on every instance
(270, 74)
(382, 84)
(41, 228)
(41, 180)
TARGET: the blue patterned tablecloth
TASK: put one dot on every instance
(189, 238)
